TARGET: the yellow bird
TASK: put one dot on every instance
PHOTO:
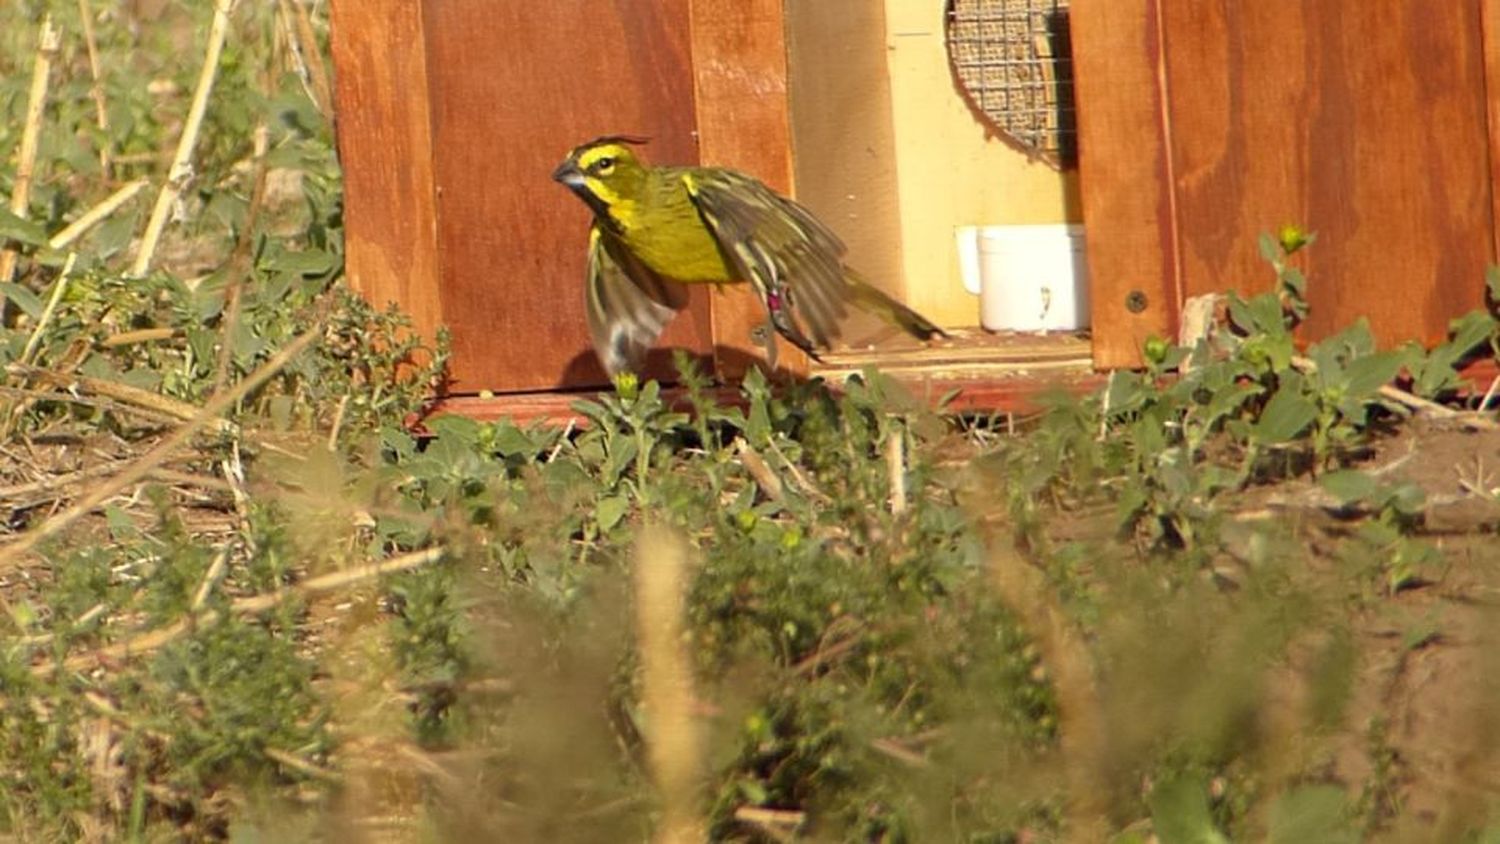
(658, 228)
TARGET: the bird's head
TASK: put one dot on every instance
(603, 171)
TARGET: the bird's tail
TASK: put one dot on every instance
(875, 300)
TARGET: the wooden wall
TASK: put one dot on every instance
(454, 120)
(1206, 122)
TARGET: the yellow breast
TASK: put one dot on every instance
(665, 231)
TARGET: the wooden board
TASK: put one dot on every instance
(385, 148)
(1125, 174)
(513, 87)
(739, 60)
(1365, 120)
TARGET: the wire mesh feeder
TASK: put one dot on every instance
(1014, 64)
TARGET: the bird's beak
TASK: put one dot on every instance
(569, 174)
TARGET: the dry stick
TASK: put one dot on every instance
(239, 262)
(101, 109)
(1388, 391)
(674, 750)
(58, 288)
(181, 170)
(142, 335)
(895, 461)
(1489, 394)
(20, 194)
(143, 466)
(338, 422)
(307, 56)
(94, 215)
(13, 413)
(57, 483)
(211, 579)
(120, 392)
(764, 477)
(153, 639)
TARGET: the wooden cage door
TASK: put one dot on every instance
(452, 119)
(1205, 122)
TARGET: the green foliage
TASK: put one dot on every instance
(868, 668)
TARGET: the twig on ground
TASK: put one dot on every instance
(297, 763)
(165, 405)
(154, 639)
(807, 486)
(59, 287)
(48, 43)
(180, 173)
(10, 553)
(211, 579)
(143, 335)
(895, 463)
(780, 824)
(338, 422)
(759, 471)
(97, 214)
(1489, 394)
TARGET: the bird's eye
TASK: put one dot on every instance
(604, 165)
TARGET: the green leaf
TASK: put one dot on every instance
(1350, 485)
(455, 428)
(1368, 374)
(1270, 251)
(1492, 283)
(1286, 415)
(1311, 813)
(306, 262)
(512, 441)
(610, 511)
(21, 229)
(29, 303)
(1180, 815)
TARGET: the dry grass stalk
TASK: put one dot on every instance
(20, 195)
(34, 342)
(155, 639)
(143, 466)
(674, 746)
(59, 287)
(211, 579)
(180, 172)
(239, 261)
(78, 386)
(96, 91)
(142, 335)
(759, 471)
(780, 824)
(307, 55)
(895, 462)
(97, 214)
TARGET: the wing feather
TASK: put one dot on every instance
(627, 304)
(780, 248)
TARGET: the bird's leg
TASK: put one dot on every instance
(780, 316)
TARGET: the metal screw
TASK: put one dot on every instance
(1135, 301)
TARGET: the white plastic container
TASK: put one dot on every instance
(1031, 278)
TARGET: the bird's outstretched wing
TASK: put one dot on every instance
(628, 305)
(794, 262)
